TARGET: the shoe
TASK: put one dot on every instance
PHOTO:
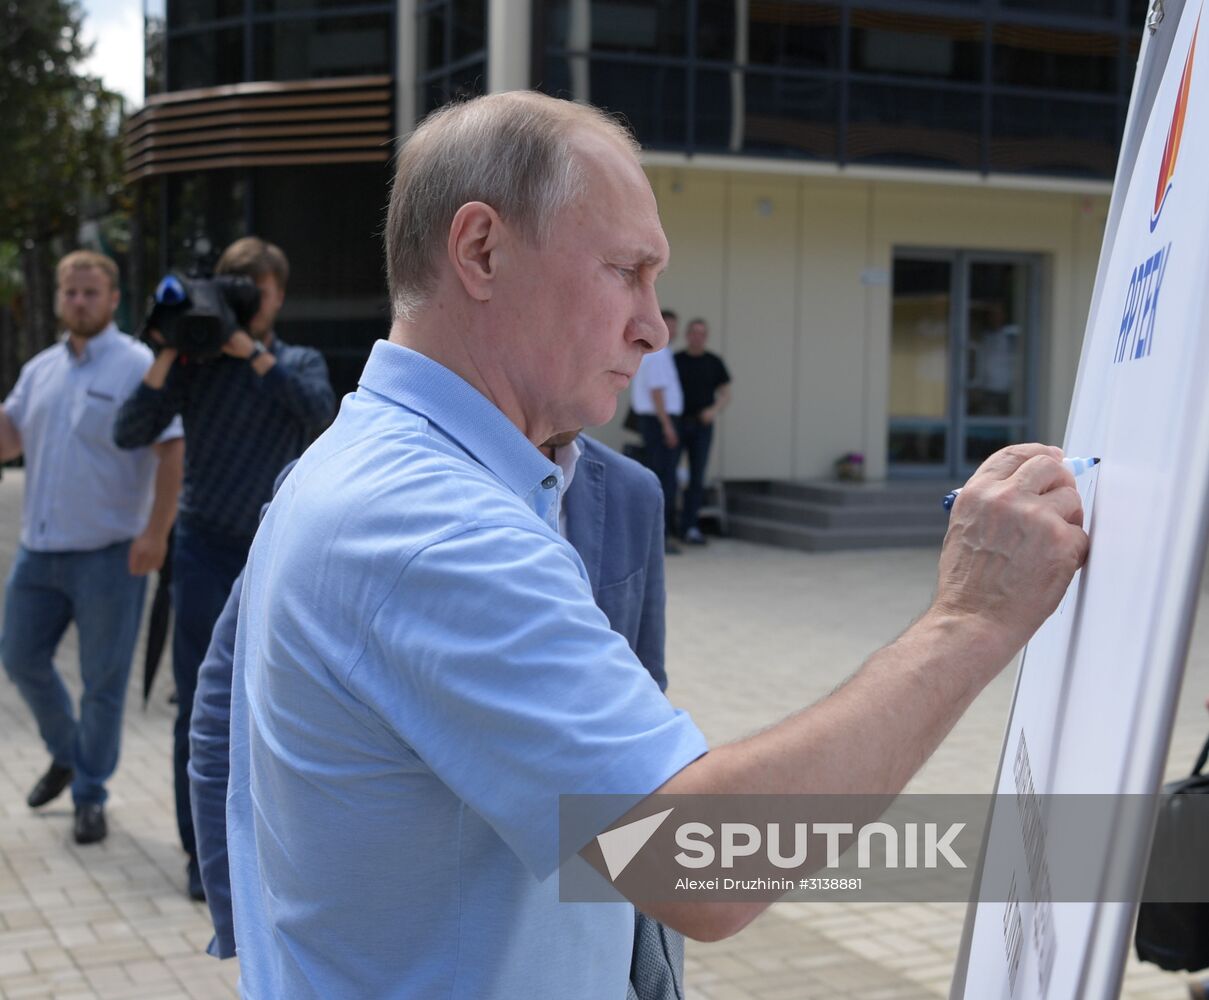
(50, 786)
(670, 548)
(694, 537)
(90, 826)
(197, 891)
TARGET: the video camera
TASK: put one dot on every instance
(196, 316)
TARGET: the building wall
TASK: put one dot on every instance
(793, 275)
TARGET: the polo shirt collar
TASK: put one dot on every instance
(94, 347)
(468, 418)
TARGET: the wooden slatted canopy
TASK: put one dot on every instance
(342, 120)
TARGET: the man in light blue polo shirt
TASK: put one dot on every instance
(420, 669)
(95, 522)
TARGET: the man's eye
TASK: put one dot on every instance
(627, 273)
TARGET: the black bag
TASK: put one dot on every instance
(1175, 936)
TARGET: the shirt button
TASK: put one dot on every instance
(549, 482)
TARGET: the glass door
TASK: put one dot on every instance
(999, 322)
(962, 350)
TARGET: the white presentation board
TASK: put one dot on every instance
(1097, 687)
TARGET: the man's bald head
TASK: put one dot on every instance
(513, 151)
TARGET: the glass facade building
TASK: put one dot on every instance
(278, 117)
(983, 85)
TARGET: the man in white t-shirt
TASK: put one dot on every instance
(658, 401)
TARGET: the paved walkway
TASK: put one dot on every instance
(753, 633)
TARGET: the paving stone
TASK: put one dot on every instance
(753, 632)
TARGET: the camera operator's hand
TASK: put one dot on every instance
(241, 345)
(165, 358)
(147, 553)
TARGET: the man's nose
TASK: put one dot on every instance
(650, 331)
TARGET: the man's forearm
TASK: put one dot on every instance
(169, 475)
(157, 374)
(10, 438)
(657, 400)
(150, 408)
(868, 738)
(871, 735)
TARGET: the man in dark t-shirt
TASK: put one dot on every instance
(706, 385)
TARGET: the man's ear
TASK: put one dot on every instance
(474, 237)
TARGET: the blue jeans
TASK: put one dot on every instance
(204, 565)
(695, 438)
(45, 592)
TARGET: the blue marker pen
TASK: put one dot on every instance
(1078, 466)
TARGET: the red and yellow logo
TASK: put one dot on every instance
(1171, 150)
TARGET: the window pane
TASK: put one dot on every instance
(919, 339)
(983, 441)
(1137, 10)
(556, 77)
(716, 30)
(205, 213)
(714, 97)
(914, 126)
(652, 99)
(433, 94)
(469, 27)
(939, 48)
(155, 50)
(469, 81)
(1081, 9)
(206, 59)
(917, 444)
(653, 27)
(324, 47)
(790, 116)
(800, 35)
(996, 340)
(276, 6)
(336, 300)
(1054, 137)
(336, 252)
(182, 13)
(430, 41)
(1058, 60)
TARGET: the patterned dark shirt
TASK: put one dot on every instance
(240, 429)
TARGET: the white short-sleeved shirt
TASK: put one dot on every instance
(82, 492)
(657, 371)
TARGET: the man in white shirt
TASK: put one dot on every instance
(92, 527)
(657, 399)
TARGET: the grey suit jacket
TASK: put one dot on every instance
(615, 523)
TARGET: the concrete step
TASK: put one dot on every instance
(896, 493)
(771, 507)
(810, 538)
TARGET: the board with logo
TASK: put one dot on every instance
(1097, 687)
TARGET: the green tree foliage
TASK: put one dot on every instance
(61, 154)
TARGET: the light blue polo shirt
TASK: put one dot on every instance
(82, 492)
(420, 671)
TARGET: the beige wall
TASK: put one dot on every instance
(793, 275)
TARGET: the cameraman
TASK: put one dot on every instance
(247, 414)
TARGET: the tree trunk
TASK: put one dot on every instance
(10, 356)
